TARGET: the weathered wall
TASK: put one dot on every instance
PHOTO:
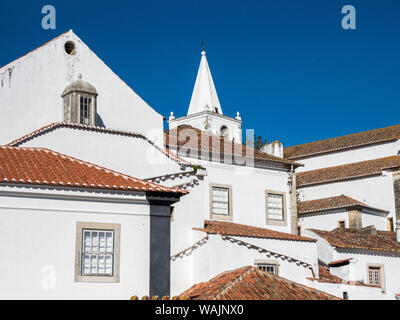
(31, 87)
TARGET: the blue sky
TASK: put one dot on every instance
(288, 66)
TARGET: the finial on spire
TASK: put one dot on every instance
(202, 46)
(80, 75)
(171, 117)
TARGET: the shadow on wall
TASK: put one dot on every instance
(99, 121)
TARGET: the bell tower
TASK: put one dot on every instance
(205, 112)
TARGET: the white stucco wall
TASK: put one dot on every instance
(39, 232)
(328, 220)
(31, 88)
(218, 255)
(390, 262)
(375, 191)
(349, 156)
(130, 155)
(354, 292)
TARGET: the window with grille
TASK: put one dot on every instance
(220, 200)
(374, 275)
(67, 103)
(85, 110)
(271, 268)
(275, 206)
(97, 252)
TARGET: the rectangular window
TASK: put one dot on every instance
(271, 268)
(66, 108)
(97, 252)
(374, 275)
(221, 201)
(390, 224)
(85, 110)
(275, 207)
(268, 265)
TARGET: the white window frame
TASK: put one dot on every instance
(97, 227)
(276, 222)
(381, 269)
(230, 211)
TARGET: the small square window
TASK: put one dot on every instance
(270, 266)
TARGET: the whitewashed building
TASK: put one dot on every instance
(205, 202)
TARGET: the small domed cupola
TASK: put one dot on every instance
(80, 103)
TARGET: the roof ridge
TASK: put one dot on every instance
(332, 149)
(55, 125)
(37, 48)
(367, 171)
(229, 285)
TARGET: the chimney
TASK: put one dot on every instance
(370, 230)
(274, 148)
(398, 230)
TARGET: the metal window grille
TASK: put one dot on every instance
(374, 276)
(85, 110)
(275, 206)
(97, 252)
(220, 200)
(271, 268)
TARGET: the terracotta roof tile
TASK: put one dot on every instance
(250, 283)
(339, 263)
(332, 203)
(347, 171)
(235, 229)
(358, 239)
(187, 138)
(341, 143)
(40, 166)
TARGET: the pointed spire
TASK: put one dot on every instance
(204, 96)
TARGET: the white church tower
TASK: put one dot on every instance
(205, 112)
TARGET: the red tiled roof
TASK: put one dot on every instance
(194, 139)
(40, 166)
(347, 171)
(359, 239)
(332, 203)
(235, 229)
(339, 263)
(251, 283)
(57, 125)
(342, 143)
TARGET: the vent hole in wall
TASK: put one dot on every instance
(70, 48)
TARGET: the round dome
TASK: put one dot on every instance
(80, 86)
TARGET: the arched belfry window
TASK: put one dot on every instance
(79, 103)
(224, 132)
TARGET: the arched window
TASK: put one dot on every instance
(224, 132)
